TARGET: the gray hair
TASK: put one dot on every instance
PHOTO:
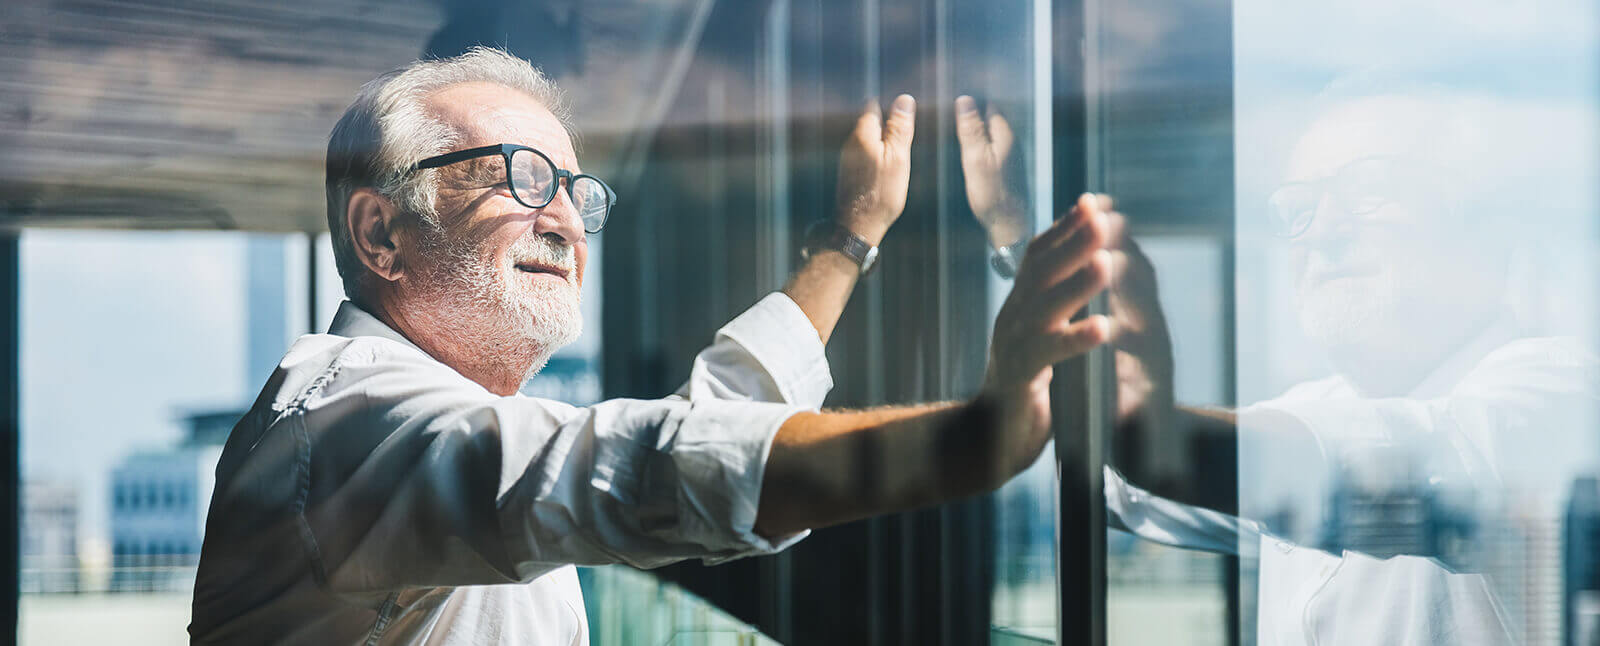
(386, 131)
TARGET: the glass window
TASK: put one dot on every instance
(1404, 369)
(1359, 298)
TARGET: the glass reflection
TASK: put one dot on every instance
(1415, 328)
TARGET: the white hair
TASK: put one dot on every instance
(386, 131)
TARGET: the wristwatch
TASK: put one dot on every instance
(1007, 259)
(827, 234)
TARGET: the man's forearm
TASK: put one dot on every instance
(831, 468)
(822, 287)
(1194, 433)
(1207, 439)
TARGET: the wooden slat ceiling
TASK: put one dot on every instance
(215, 113)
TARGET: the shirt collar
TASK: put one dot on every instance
(352, 321)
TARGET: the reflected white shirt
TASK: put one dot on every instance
(375, 495)
(1508, 419)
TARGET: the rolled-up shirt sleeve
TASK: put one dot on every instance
(769, 353)
(412, 476)
(1515, 420)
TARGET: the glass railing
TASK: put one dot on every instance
(627, 606)
(148, 603)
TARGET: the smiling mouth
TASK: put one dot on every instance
(1329, 275)
(535, 268)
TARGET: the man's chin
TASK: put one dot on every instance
(1346, 320)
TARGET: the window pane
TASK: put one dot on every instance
(1432, 328)
(139, 350)
(1409, 378)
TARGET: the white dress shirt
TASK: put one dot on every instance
(1505, 423)
(373, 495)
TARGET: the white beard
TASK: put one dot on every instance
(1345, 315)
(499, 314)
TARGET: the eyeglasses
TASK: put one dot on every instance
(1358, 188)
(534, 180)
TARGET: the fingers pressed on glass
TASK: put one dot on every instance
(1060, 250)
(902, 120)
(1067, 297)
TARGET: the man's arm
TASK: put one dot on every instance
(987, 173)
(874, 173)
(830, 468)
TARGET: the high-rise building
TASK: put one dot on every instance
(1581, 554)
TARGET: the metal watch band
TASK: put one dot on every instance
(1006, 260)
(826, 234)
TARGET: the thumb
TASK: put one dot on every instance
(897, 130)
(969, 126)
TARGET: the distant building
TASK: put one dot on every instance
(158, 507)
(1540, 592)
(1581, 554)
(1393, 510)
(49, 547)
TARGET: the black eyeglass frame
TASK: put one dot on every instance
(505, 151)
(1430, 176)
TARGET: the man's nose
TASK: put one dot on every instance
(560, 218)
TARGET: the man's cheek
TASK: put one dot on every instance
(580, 258)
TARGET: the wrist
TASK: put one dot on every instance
(1006, 222)
(834, 261)
(835, 236)
(1006, 232)
(870, 232)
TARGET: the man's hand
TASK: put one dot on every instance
(1144, 347)
(828, 468)
(1063, 268)
(875, 169)
(874, 172)
(985, 164)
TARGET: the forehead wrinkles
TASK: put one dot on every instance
(538, 129)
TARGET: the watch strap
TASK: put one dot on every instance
(826, 234)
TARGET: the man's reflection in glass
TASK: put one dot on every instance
(1398, 500)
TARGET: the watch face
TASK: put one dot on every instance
(1004, 263)
(870, 261)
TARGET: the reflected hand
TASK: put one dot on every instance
(875, 169)
(1143, 345)
(1064, 267)
(985, 158)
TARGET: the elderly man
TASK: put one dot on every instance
(391, 486)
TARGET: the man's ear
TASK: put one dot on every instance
(372, 220)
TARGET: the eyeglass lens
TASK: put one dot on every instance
(533, 178)
(1358, 188)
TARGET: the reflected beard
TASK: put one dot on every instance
(1348, 315)
(490, 309)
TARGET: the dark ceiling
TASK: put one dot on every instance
(215, 114)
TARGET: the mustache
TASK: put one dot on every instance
(543, 250)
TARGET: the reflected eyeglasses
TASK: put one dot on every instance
(1359, 188)
(534, 180)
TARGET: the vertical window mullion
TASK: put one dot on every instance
(1082, 389)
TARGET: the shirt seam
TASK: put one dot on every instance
(385, 614)
(302, 475)
(1305, 617)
